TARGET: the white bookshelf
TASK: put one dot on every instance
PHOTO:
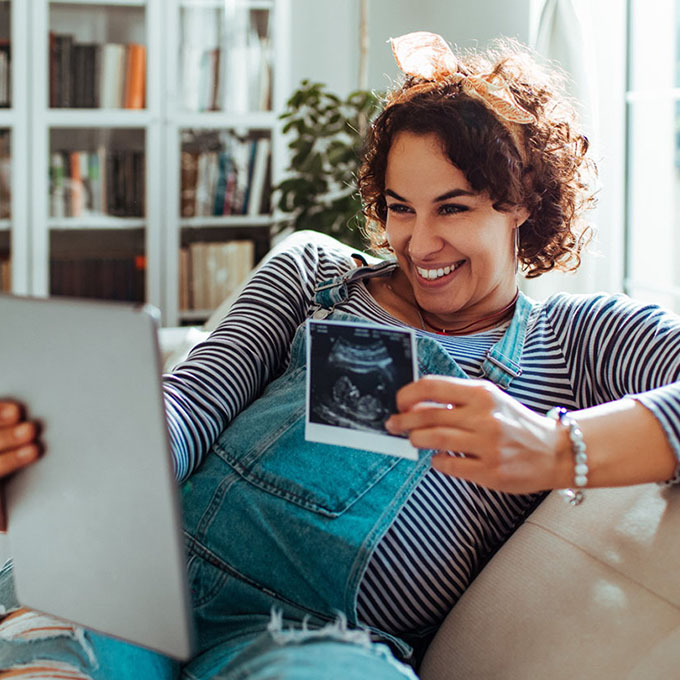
(37, 130)
(14, 230)
(244, 123)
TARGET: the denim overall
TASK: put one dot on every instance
(274, 521)
(278, 524)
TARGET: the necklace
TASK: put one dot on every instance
(476, 325)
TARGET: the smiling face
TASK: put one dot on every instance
(455, 249)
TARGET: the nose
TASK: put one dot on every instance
(424, 241)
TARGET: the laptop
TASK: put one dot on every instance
(94, 527)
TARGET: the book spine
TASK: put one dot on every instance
(54, 70)
(135, 77)
(188, 173)
(250, 166)
(65, 43)
(259, 173)
(76, 208)
(5, 275)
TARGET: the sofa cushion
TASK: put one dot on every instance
(591, 591)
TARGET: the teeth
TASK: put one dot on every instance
(432, 274)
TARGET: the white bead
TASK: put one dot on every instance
(580, 480)
(580, 470)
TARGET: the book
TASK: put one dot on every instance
(5, 74)
(79, 56)
(5, 275)
(203, 199)
(135, 76)
(191, 63)
(57, 186)
(97, 182)
(211, 272)
(106, 278)
(5, 177)
(75, 185)
(184, 280)
(252, 152)
(224, 168)
(53, 70)
(258, 175)
(63, 52)
(188, 178)
(112, 76)
(94, 183)
(198, 253)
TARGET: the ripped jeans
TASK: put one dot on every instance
(34, 645)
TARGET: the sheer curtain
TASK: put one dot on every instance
(563, 35)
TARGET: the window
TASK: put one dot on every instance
(653, 152)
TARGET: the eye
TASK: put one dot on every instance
(399, 208)
(452, 209)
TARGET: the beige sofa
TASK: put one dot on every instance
(582, 592)
(586, 592)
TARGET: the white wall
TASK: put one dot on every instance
(325, 33)
(325, 45)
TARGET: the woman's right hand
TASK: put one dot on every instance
(18, 439)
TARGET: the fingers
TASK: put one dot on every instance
(14, 436)
(10, 413)
(442, 439)
(445, 390)
(13, 460)
(439, 428)
(18, 439)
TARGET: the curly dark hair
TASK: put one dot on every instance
(550, 175)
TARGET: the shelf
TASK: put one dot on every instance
(219, 4)
(94, 222)
(5, 225)
(226, 221)
(94, 118)
(255, 120)
(7, 118)
(103, 3)
(195, 314)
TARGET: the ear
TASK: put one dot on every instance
(521, 215)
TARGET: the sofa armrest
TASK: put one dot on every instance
(590, 591)
(176, 343)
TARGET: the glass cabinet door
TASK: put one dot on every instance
(225, 56)
(97, 212)
(97, 56)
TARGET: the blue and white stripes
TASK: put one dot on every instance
(579, 351)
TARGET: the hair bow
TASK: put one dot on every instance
(428, 56)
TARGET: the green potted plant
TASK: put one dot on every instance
(326, 135)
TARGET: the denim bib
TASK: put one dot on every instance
(273, 520)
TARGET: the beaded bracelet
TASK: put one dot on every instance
(573, 496)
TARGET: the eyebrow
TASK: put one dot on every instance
(455, 193)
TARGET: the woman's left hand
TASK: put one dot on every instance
(506, 445)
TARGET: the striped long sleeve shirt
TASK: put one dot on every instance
(580, 351)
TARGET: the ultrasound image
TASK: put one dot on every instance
(355, 376)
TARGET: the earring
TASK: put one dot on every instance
(516, 249)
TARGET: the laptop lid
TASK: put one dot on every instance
(95, 525)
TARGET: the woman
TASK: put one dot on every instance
(473, 168)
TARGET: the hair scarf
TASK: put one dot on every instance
(428, 56)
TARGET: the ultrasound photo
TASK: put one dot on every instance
(354, 373)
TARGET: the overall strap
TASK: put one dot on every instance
(502, 362)
(333, 291)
